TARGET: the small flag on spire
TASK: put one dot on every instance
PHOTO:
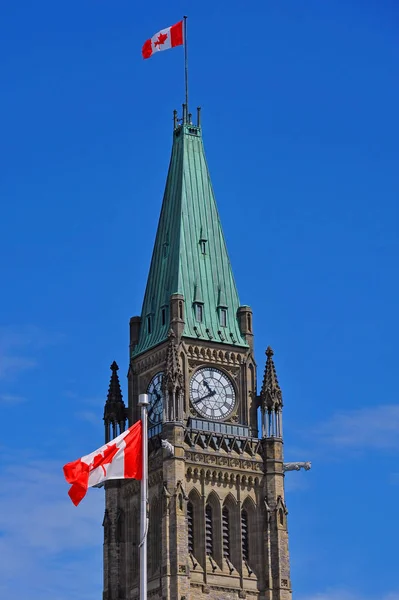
(120, 459)
(163, 40)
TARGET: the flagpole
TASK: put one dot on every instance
(186, 63)
(143, 402)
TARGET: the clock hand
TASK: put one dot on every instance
(206, 384)
(211, 393)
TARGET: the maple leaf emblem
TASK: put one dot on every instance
(104, 458)
(161, 39)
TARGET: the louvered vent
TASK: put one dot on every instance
(244, 534)
(226, 534)
(208, 530)
(190, 527)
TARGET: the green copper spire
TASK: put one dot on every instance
(190, 255)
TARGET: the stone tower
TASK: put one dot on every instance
(217, 513)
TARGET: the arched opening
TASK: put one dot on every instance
(231, 534)
(149, 324)
(226, 533)
(208, 530)
(213, 530)
(195, 528)
(250, 537)
(199, 312)
(154, 538)
(190, 527)
(281, 516)
(244, 535)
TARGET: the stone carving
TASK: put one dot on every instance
(150, 361)
(231, 444)
(168, 446)
(224, 461)
(297, 466)
(173, 382)
(201, 353)
(271, 396)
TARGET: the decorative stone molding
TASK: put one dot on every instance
(224, 461)
(148, 362)
(201, 353)
(218, 442)
(222, 476)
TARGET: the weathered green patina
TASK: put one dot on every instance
(190, 255)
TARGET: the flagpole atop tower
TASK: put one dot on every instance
(185, 63)
(143, 402)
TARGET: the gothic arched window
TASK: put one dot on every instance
(190, 527)
(199, 312)
(244, 535)
(154, 535)
(120, 526)
(208, 530)
(226, 532)
(281, 516)
(195, 528)
(149, 324)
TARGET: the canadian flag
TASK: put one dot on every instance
(163, 40)
(120, 459)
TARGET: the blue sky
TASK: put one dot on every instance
(301, 130)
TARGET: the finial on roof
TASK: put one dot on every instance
(114, 391)
(271, 393)
(114, 410)
(173, 375)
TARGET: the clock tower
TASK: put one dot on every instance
(217, 512)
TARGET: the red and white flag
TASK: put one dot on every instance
(163, 40)
(122, 458)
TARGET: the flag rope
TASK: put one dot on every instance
(186, 64)
(143, 402)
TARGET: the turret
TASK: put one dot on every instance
(114, 409)
(271, 400)
(173, 383)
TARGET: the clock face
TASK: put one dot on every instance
(212, 393)
(155, 409)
